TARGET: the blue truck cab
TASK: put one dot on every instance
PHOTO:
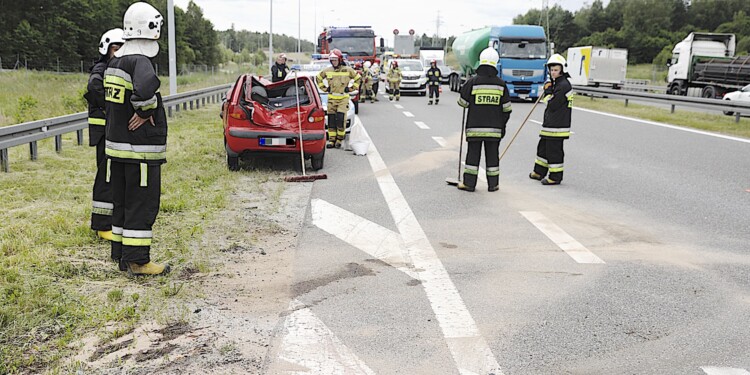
(523, 55)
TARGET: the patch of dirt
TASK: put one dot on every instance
(229, 331)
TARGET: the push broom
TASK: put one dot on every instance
(305, 177)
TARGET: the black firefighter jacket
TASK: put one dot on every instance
(488, 102)
(559, 107)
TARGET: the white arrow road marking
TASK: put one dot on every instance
(564, 241)
(408, 114)
(420, 124)
(441, 141)
(724, 371)
(468, 348)
(398, 106)
(363, 234)
(309, 343)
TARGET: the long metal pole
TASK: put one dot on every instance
(299, 26)
(270, 42)
(172, 49)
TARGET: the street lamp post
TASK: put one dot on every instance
(270, 42)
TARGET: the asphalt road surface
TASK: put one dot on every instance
(639, 263)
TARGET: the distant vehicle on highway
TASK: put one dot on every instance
(413, 76)
(742, 95)
(595, 66)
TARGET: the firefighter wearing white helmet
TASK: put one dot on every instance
(136, 140)
(558, 94)
(487, 100)
(337, 77)
(101, 208)
(367, 81)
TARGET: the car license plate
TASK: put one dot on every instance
(523, 96)
(409, 85)
(266, 141)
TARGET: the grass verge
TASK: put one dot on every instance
(31, 95)
(697, 120)
(56, 281)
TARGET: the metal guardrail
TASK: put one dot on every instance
(726, 106)
(34, 131)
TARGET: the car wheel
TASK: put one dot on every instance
(728, 113)
(233, 163)
(317, 160)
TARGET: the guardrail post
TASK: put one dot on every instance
(191, 105)
(169, 111)
(736, 117)
(4, 160)
(204, 101)
(33, 150)
(79, 137)
(184, 106)
(177, 108)
(58, 143)
(197, 103)
(626, 102)
(673, 108)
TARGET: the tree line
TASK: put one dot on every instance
(40, 34)
(649, 29)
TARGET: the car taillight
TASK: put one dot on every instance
(236, 112)
(316, 115)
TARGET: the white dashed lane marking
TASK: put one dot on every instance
(441, 141)
(724, 371)
(399, 106)
(564, 241)
(408, 114)
(420, 124)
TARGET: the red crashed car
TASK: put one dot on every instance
(260, 118)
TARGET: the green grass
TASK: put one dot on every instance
(31, 95)
(657, 75)
(56, 281)
(704, 121)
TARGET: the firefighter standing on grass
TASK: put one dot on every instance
(556, 125)
(337, 76)
(101, 211)
(279, 70)
(433, 81)
(136, 140)
(488, 102)
(394, 81)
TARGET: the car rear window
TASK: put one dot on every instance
(279, 96)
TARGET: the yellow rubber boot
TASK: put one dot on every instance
(148, 269)
(105, 234)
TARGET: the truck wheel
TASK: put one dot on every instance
(317, 160)
(708, 92)
(675, 89)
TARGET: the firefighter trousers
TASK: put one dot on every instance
(337, 109)
(436, 90)
(549, 158)
(101, 207)
(136, 192)
(491, 159)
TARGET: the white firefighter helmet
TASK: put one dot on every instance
(142, 21)
(368, 64)
(557, 59)
(113, 36)
(489, 57)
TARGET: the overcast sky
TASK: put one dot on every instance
(456, 16)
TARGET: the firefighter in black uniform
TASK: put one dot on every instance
(556, 125)
(101, 208)
(488, 102)
(433, 82)
(136, 140)
(279, 70)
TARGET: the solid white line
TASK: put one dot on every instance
(310, 344)
(420, 124)
(468, 348)
(408, 114)
(399, 106)
(441, 141)
(373, 239)
(724, 371)
(669, 126)
(564, 241)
